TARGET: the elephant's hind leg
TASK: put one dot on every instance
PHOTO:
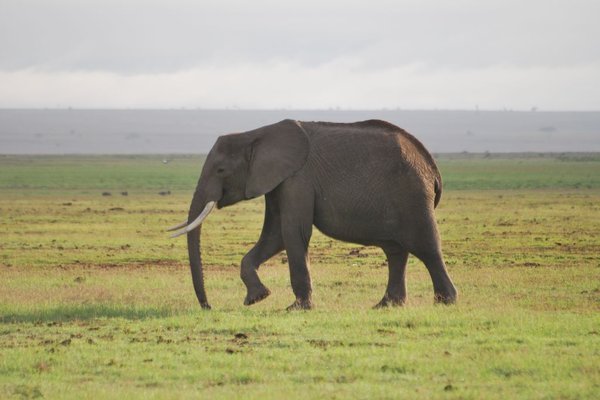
(269, 244)
(395, 294)
(443, 288)
(425, 245)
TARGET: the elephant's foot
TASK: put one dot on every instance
(300, 304)
(256, 295)
(389, 301)
(448, 297)
(205, 306)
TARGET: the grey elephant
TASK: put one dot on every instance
(368, 182)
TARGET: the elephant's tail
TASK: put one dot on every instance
(437, 187)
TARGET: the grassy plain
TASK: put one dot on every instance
(97, 302)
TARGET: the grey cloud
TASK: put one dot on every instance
(145, 37)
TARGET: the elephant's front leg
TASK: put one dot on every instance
(261, 252)
(296, 245)
(269, 244)
(297, 206)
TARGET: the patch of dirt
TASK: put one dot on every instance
(324, 344)
(357, 253)
(505, 223)
(42, 367)
(163, 340)
(531, 264)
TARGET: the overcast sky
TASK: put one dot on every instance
(491, 54)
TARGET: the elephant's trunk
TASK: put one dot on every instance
(193, 241)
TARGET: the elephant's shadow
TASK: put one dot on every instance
(65, 313)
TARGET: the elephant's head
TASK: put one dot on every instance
(241, 166)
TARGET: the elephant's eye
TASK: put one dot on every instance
(220, 170)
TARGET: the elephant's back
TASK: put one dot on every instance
(370, 147)
(372, 173)
(372, 132)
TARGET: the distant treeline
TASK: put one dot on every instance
(194, 131)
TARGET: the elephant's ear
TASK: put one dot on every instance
(278, 152)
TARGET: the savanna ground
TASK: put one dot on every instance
(97, 302)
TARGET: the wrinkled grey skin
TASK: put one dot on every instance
(368, 182)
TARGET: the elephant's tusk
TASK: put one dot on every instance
(207, 209)
(181, 225)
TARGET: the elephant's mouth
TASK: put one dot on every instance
(223, 201)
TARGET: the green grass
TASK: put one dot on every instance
(91, 174)
(525, 171)
(97, 302)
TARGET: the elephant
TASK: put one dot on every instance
(370, 183)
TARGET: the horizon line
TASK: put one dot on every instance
(332, 109)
